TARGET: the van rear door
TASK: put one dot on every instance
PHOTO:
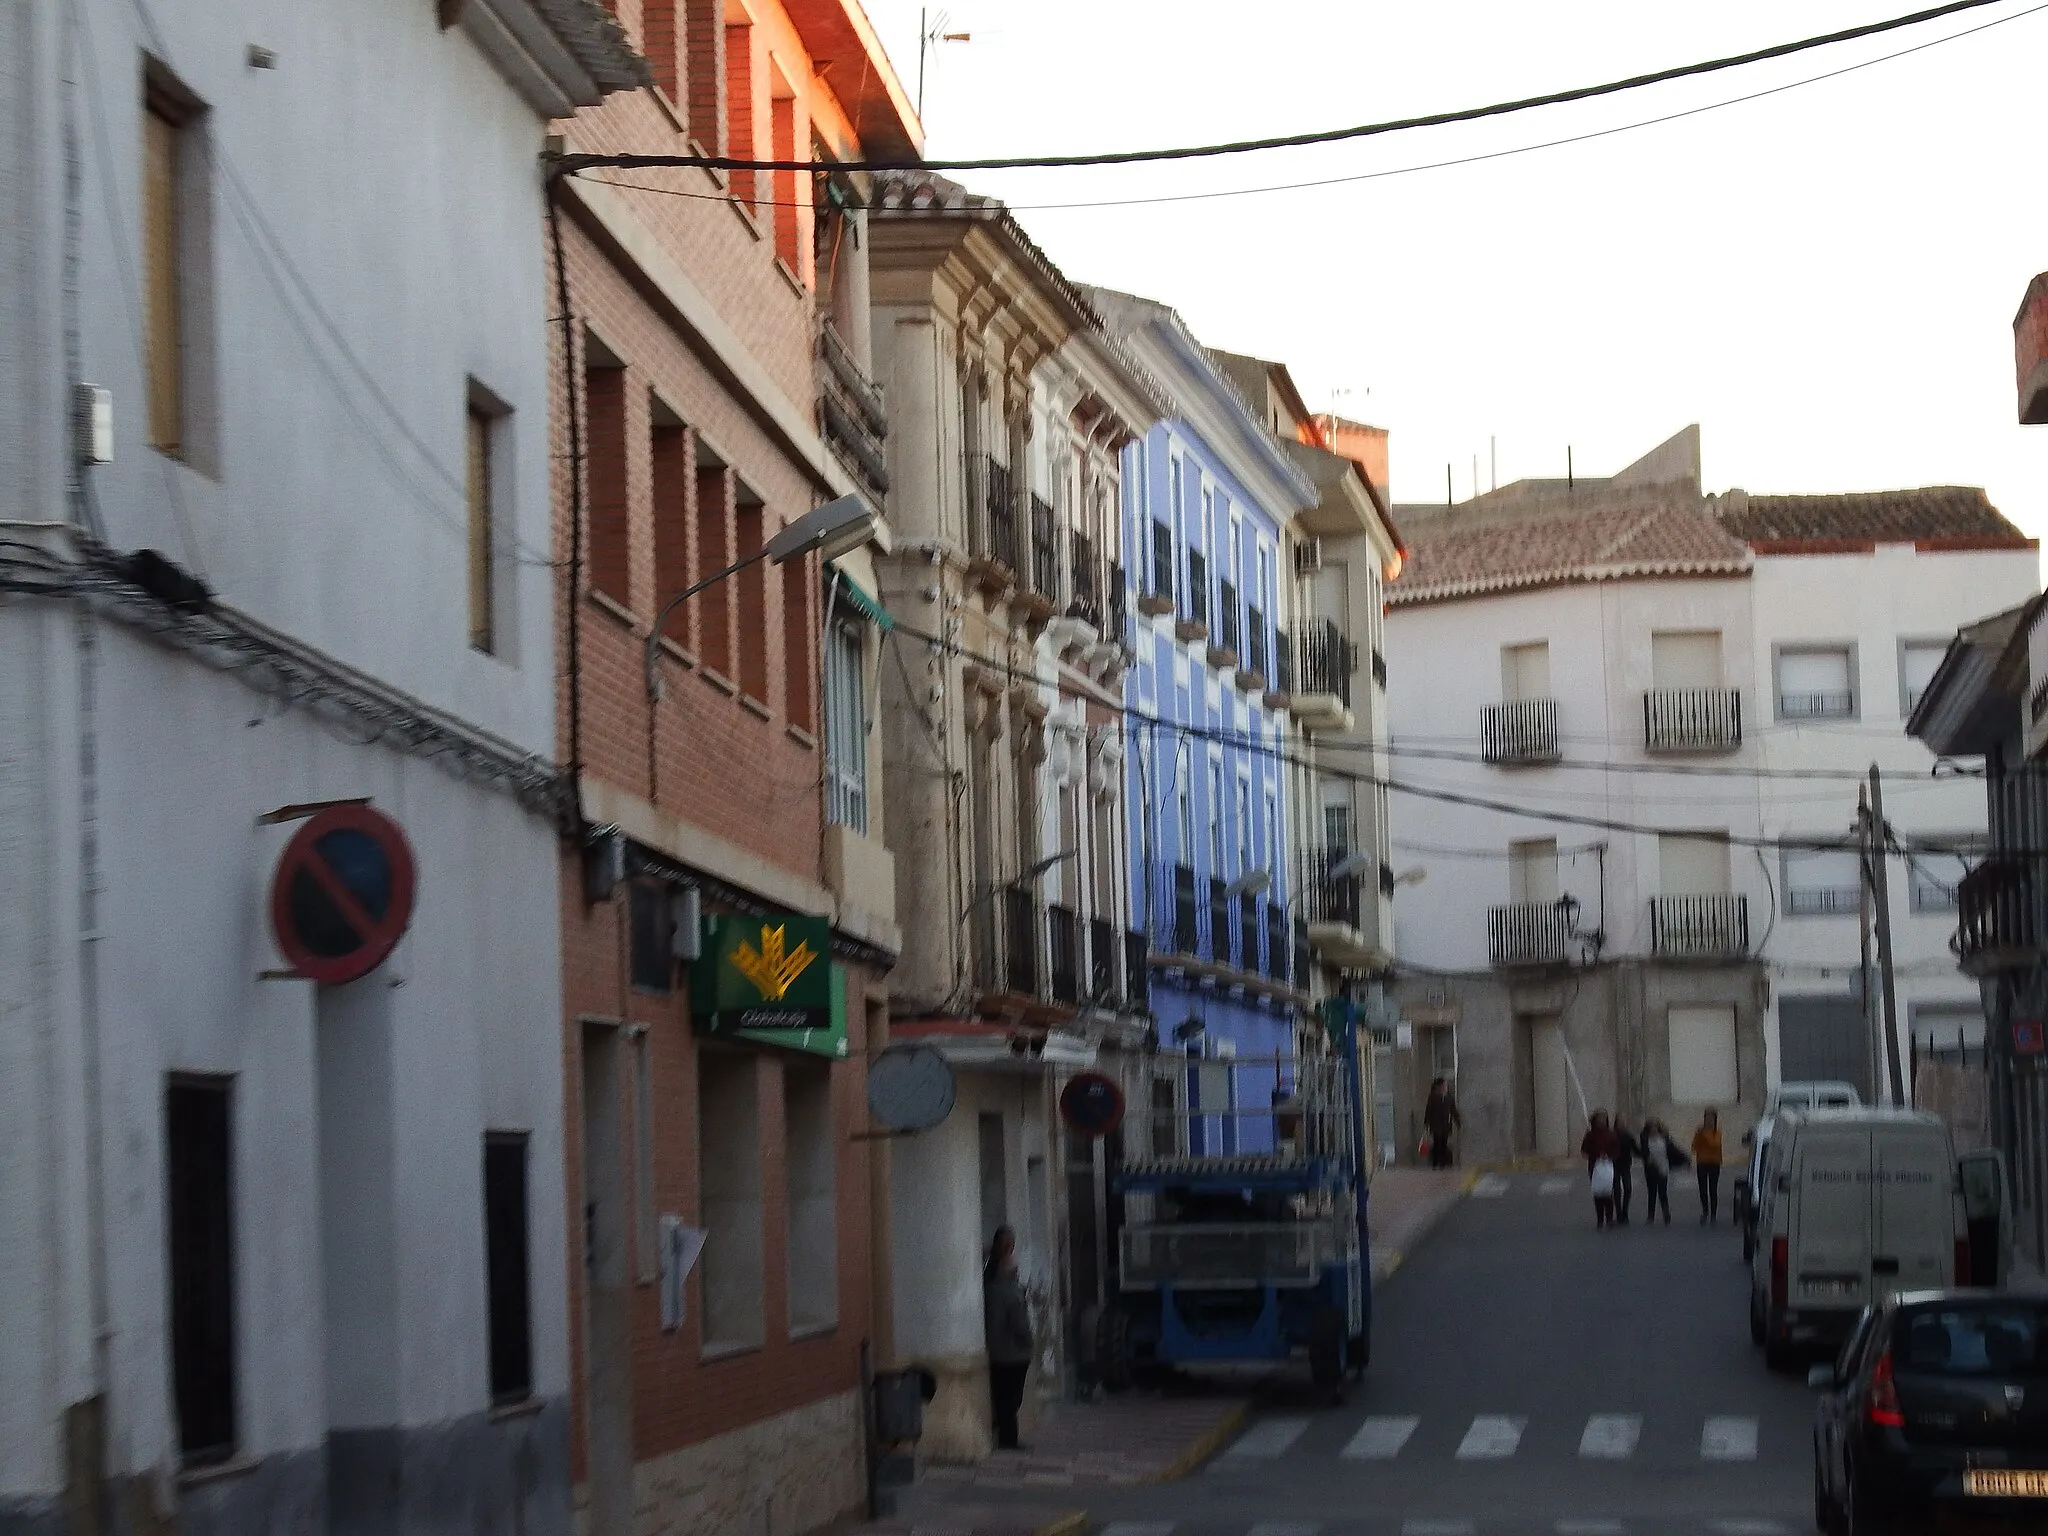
(1831, 1218)
(1914, 1245)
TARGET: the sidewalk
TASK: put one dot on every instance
(1405, 1204)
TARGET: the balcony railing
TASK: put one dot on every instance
(1823, 900)
(1219, 921)
(1182, 924)
(1326, 660)
(1276, 940)
(1255, 642)
(1692, 720)
(1998, 926)
(1248, 932)
(1045, 554)
(1119, 613)
(1816, 706)
(1063, 953)
(1699, 927)
(1301, 954)
(1283, 661)
(1519, 731)
(1084, 580)
(992, 513)
(1195, 603)
(1528, 933)
(851, 406)
(1105, 961)
(1226, 616)
(1137, 971)
(1020, 940)
(1324, 900)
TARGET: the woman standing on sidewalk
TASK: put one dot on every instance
(1006, 1318)
(1706, 1156)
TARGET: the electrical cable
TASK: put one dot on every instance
(1292, 140)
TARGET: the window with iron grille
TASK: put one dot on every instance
(846, 728)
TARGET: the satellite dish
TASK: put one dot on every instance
(910, 1088)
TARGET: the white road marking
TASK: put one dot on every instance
(1590, 1528)
(1436, 1528)
(1491, 1438)
(1728, 1439)
(1490, 1186)
(1138, 1528)
(1750, 1527)
(1555, 1186)
(1611, 1436)
(1381, 1437)
(1267, 1438)
(1285, 1528)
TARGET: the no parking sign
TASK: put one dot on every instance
(341, 896)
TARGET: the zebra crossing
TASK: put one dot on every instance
(1487, 1437)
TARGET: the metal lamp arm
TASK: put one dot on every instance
(661, 619)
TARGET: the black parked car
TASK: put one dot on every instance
(1936, 1414)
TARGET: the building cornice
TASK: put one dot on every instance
(558, 54)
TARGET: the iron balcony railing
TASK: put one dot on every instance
(1119, 611)
(1105, 960)
(1182, 927)
(1324, 900)
(1219, 921)
(1816, 706)
(1301, 955)
(1045, 553)
(1020, 940)
(1063, 953)
(1527, 933)
(1998, 924)
(1283, 661)
(1696, 927)
(855, 419)
(1195, 605)
(1823, 900)
(1226, 615)
(1276, 940)
(1692, 720)
(1162, 560)
(1519, 731)
(1255, 641)
(1137, 971)
(1248, 932)
(1326, 660)
(1084, 582)
(992, 513)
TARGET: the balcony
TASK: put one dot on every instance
(1301, 953)
(1524, 933)
(1823, 900)
(1839, 705)
(1342, 912)
(1280, 692)
(1218, 946)
(1137, 972)
(1158, 598)
(1699, 927)
(1223, 643)
(1251, 677)
(1020, 940)
(1045, 554)
(1692, 720)
(1321, 697)
(1276, 941)
(1084, 580)
(1063, 953)
(851, 408)
(991, 522)
(1248, 932)
(1194, 607)
(1119, 614)
(1997, 925)
(1519, 732)
(1105, 962)
(1182, 937)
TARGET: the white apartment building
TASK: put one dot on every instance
(280, 1255)
(1636, 694)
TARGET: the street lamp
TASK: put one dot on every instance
(1030, 876)
(842, 524)
(1253, 882)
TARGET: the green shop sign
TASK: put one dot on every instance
(771, 980)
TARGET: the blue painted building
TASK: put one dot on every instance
(1209, 499)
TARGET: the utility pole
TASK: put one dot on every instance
(1879, 873)
(1863, 976)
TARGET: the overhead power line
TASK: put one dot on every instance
(572, 163)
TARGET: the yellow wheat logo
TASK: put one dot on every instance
(768, 968)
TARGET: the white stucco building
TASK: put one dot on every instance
(247, 1277)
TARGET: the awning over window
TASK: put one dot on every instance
(853, 595)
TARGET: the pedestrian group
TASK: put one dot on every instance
(1612, 1151)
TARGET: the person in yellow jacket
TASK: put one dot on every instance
(1706, 1159)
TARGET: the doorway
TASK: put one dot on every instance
(1549, 1087)
(607, 1329)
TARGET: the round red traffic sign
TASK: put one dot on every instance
(1092, 1104)
(341, 895)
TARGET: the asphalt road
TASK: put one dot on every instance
(1530, 1374)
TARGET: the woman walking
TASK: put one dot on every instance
(1656, 1145)
(1006, 1319)
(1440, 1117)
(1600, 1147)
(1706, 1156)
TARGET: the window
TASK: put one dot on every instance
(668, 457)
(604, 409)
(1532, 871)
(1215, 814)
(739, 106)
(1525, 671)
(1822, 882)
(846, 728)
(1817, 682)
(715, 490)
(729, 1155)
(1685, 659)
(704, 70)
(658, 40)
(1692, 865)
(199, 1180)
(750, 527)
(1184, 815)
(506, 1265)
(172, 249)
(1244, 823)
(809, 1168)
(1276, 858)
(782, 130)
(800, 580)
(1919, 660)
(1337, 831)
(479, 488)
(1702, 1042)
(652, 939)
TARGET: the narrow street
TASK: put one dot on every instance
(1530, 1375)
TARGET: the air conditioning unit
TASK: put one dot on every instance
(1308, 556)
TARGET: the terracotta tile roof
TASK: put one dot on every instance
(1454, 553)
(1933, 513)
(926, 194)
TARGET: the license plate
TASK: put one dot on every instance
(1835, 1287)
(1997, 1483)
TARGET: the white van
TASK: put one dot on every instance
(1784, 1097)
(1854, 1204)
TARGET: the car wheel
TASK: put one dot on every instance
(1326, 1347)
(1858, 1515)
(1361, 1353)
(1826, 1518)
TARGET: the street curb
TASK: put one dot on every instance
(1068, 1522)
(1200, 1449)
(1383, 1268)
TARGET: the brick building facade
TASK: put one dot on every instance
(709, 778)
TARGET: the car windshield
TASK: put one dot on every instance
(1995, 1339)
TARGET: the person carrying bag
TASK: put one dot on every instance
(1600, 1149)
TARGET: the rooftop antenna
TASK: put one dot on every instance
(1449, 500)
(1570, 481)
(932, 30)
(1493, 463)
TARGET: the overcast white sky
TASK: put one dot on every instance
(1824, 279)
